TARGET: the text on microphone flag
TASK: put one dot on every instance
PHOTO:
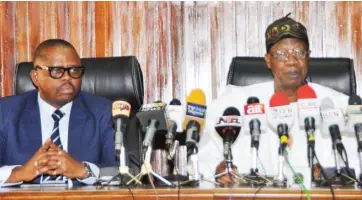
(196, 110)
(152, 107)
(231, 120)
(308, 104)
(121, 108)
(332, 114)
(281, 113)
(252, 109)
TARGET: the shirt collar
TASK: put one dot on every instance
(48, 109)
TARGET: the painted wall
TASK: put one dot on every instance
(180, 45)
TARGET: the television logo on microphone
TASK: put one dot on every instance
(332, 114)
(196, 110)
(231, 119)
(254, 109)
(281, 113)
(306, 105)
(121, 108)
(152, 107)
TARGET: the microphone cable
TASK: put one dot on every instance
(346, 163)
(177, 176)
(301, 184)
(128, 187)
(323, 173)
(263, 185)
(151, 181)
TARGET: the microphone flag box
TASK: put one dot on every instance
(155, 111)
(308, 108)
(254, 111)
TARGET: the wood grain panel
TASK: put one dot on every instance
(180, 45)
(8, 49)
(94, 193)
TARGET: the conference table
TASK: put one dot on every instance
(146, 193)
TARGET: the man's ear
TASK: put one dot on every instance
(267, 60)
(34, 77)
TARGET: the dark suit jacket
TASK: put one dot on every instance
(90, 135)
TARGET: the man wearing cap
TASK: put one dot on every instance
(287, 56)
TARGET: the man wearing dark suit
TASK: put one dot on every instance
(55, 133)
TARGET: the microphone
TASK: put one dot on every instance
(194, 124)
(333, 121)
(281, 120)
(120, 115)
(254, 122)
(354, 113)
(176, 114)
(153, 116)
(281, 117)
(228, 127)
(309, 116)
(194, 119)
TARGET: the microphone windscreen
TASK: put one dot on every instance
(354, 100)
(196, 96)
(231, 111)
(175, 102)
(306, 92)
(308, 107)
(252, 100)
(327, 103)
(279, 99)
(120, 109)
(195, 108)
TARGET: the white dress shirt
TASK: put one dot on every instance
(211, 144)
(47, 124)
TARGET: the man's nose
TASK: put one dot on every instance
(291, 59)
(66, 76)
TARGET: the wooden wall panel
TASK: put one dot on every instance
(180, 45)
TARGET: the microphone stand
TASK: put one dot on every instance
(280, 180)
(358, 128)
(309, 123)
(338, 149)
(123, 169)
(360, 165)
(146, 168)
(254, 178)
(229, 164)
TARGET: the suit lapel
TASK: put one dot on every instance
(30, 133)
(77, 122)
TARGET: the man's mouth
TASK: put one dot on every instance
(293, 74)
(67, 89)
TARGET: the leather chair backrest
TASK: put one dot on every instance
(336, 73)
(115, 78)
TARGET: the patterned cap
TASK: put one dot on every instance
(282, 28)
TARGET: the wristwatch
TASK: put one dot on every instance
(89, 171)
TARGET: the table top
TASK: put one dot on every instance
(142, 193)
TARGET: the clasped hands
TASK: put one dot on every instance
(51, 160)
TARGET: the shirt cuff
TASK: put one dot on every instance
(91, 180)
(5, 172)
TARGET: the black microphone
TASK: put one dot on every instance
(174, 110)
(153, 116)
(253, 119)
(354, 113)
(228, 127)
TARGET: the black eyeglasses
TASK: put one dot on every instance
(57, 72)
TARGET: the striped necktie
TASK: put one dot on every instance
(55, 138)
